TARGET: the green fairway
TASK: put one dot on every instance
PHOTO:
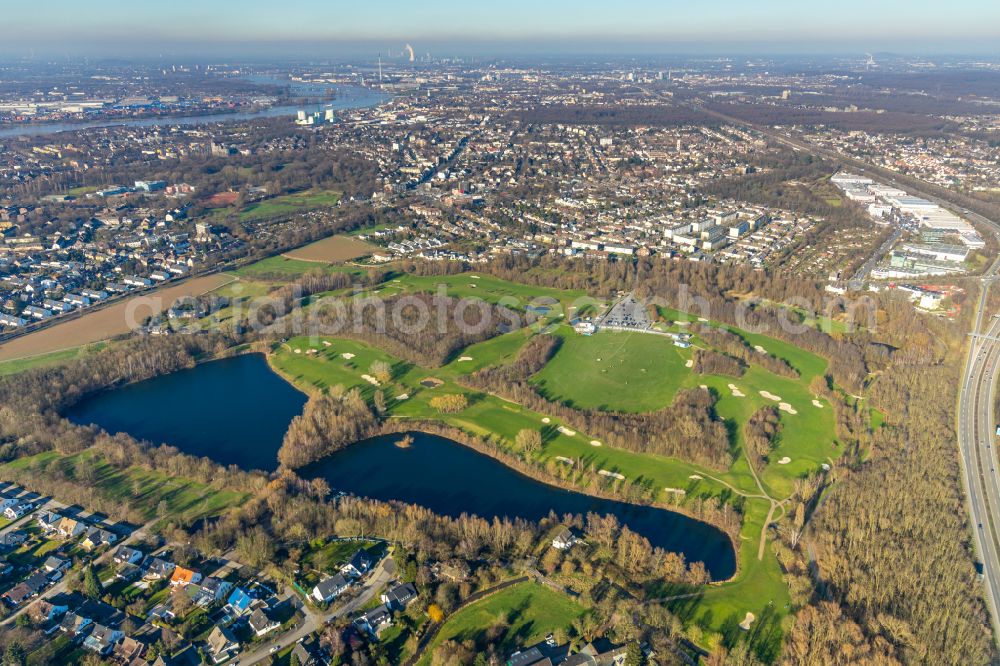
(530, 611)
(289, 204)
(614, 370)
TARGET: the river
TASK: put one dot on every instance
(348, 97)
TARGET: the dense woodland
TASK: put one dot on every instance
(739, 349)
(328, 423)
(426, 329)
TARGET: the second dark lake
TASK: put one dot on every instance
(450, 479)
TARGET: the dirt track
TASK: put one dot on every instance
(106, 322)
(332, 250)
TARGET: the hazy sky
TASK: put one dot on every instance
(675, 25)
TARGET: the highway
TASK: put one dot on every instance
(976, 441)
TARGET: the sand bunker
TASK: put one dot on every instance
(594, 442)
(702, 319)
(826, 468)
(747, 621)
(474, 277)
(546, 419)
(327, 343)
(371, 380)
(696, 477)
(297, 351)
(403, 396)
(704, 386)
(564, 459)
(348, 355)
(785, 407)
(760, 349)
(613, 475)
(689, 363)
(785, 461)
(464, 358)
(675, 491)
(817, 403)
(566, 431)
(770, 396)
(736, 392)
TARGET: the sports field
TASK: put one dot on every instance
(289, 204)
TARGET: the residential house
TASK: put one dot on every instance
(239, 602)
(307, 653)
(69, 528)
(15, 511)
(127, 555)
(129, 651)
(74, 624)
(96, 537)
(5, 566)
(598, 653)
(261, 623)
(329, 589)
(46, 610)
(13, 539)
(182, 577)
(7, 501)
(128, 572)
(26, 589)
(48, 521)
(565, 539)
(375, 620)
(400, 596)
(56, 563)
(221, 644)
(358, 565)
(210, 590)
(102, 639)
(157, 569)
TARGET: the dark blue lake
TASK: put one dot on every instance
(234, 411)
(451, 479)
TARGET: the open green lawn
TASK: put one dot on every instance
(614, 370)
(530, 610)
(289, 204)
(142, 489)
(17, 365)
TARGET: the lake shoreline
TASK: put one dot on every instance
(435, 429)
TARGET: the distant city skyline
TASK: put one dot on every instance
(529, 26)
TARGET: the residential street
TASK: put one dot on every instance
(383, 572)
